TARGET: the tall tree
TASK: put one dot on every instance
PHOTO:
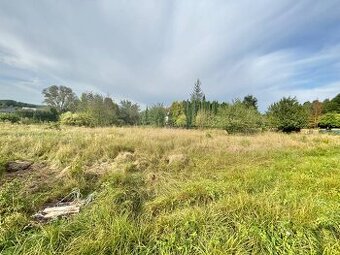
(250, 101)
(157, 115)
(102, 109)
(61, 98)
(177, 110)
(144, 117)
(315, 112)
(197, 94)
(332, 105)
(129, 112)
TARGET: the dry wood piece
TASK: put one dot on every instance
(64, 208)
(50, 213)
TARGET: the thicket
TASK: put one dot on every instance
(29, 116)
(330, 120)
(239, 116)
(77, 119)
(288, 115)
(9, 117)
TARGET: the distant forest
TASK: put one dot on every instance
(239, 116)
(15, 104)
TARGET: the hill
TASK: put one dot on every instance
(13, 103)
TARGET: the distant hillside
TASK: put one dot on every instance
(12, 103)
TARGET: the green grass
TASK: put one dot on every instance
(161, 191)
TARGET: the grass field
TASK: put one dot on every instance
(169, 191)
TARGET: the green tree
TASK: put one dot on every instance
(176, 110)
(128, 112)
(145, 117)
(181, 121)
(102, 109)
(157, 114)
(197, 94)
(332, 105)
(287, 115)
(250, 101)
(330, 120)
(315, 111)
(61, 98)
(196, 102)
(238, 118)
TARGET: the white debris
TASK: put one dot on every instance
(64, 208)
(50, 213)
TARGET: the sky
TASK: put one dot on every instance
(152, 51)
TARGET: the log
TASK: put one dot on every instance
(58, 211)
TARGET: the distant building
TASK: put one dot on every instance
(29, 109)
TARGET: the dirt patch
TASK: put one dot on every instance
(34, 174)
(15, 166)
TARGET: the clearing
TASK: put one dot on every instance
(170, 191)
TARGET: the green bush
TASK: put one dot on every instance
(9, 117)
(181, 121)
(49, 115)
(77, 119)
(287, 115)
(330, 120)
(203, 119)
(238, 118)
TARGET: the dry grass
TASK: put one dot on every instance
(170, 191)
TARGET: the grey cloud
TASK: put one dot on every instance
(152, 51)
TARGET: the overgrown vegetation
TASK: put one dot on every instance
(239, 116)
(171, 191)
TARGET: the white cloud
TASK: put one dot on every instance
(153, 51)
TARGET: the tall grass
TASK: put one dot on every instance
(169, 191)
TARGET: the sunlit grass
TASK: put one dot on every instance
(172, 191)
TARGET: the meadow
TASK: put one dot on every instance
(170, 191)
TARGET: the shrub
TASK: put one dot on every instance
(238, 118)
(330, 120)
(203, 119)
(287, 115)
(77, 119)
(49, 115)
(181, 121)
(9, 117)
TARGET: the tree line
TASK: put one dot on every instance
(93, 109)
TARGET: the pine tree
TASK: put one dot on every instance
(197, 94)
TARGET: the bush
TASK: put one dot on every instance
(330, 120)
(9, 117)
(77, 119)
(287, 115)
(181, 121)
(39, 116)
(238, 118)
(203, 119)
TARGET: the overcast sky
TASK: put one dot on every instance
(153, 50)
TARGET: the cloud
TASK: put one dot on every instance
(154, 51)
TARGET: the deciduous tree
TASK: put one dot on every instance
(61, 98)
